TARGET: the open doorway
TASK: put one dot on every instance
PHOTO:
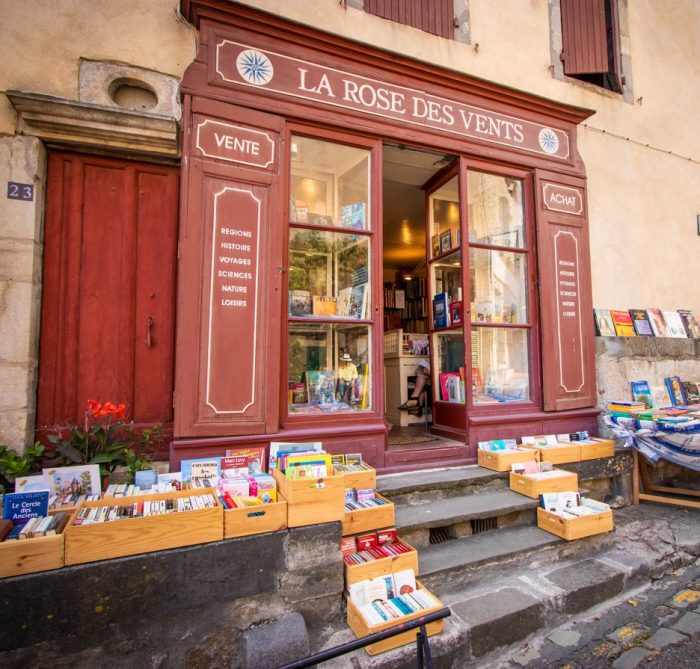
(407, 307)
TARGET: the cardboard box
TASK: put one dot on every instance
(575, 528)
(311, 501)
(372, 518)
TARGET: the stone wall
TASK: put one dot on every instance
(188, 607)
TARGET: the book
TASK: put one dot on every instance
(445, 241)
(404, 582)
(641, 392)
(456, 311)
(283, 447)
(623, 323)
(200, 468)
(300, 303)
(20, 507)
(32, 483)
(343, 302)
(76, 480)
(353, 215)
(690, 323)
(641, 323)
(658, 324)
(692, 392)
(320, 386)
(556, 502)
(675, 391)
(441, 311)
(243, 461)
(604, 323)
(435, 245)
(324, 306)
(358, 301)
(674, 325)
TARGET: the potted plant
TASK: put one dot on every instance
(15, 465)
(140, 469)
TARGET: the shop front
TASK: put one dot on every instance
(336, 198)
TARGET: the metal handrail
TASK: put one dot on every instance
(422, 644)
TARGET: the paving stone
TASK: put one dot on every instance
(631, 658)
(662, 612)
(628, 633)
(500, 618)
(564, 638)
(685, 599)
(524, 657)
(664, 637)
(271, 645)
(587, 583)
(688, 624)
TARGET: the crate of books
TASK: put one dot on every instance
(31, 539)
(534, 478)
(376, 554)
(552, 450)
(365, 510)
(386, 601)
(499, 454)
(357, 474)
(570, 516)
(123, 526)
(594, 448)
(250, 515)
(306, 479)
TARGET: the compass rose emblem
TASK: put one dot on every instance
(255, 67)
(549, 140)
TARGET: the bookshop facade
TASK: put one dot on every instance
(282, 281)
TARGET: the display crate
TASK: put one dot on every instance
(27, 556)
(354, 573)
(560, 454)
(311, 501)
(255, 519)
(500, 461)
(575, 528)
(371, 518)
(363, 478)
(131, 536)
(533, 487)
(361, 627)
(598, 448)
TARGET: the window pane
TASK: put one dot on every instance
(328, 368)
(499, 286)
(500, 365)
(446, 276)
(328, 274)
(449, 360)
(444, 218)
(330, 184)
(495, 210)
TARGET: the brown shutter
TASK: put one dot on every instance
(566, 322)
(432, 16)
(584, 36)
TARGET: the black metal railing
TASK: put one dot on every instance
(423, 657)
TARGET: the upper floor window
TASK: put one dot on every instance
(590, 41)
(432, 16)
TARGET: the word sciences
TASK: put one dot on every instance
(234, 294)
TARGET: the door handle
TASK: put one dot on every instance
(149, 326)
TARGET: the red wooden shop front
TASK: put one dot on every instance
(257, 88)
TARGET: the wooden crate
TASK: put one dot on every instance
(575, 528)
(530, 487)
(361, 628)
(28, 556)
(372, 518)
(560, 454)
(500, 461)
(102, 541)
(600, 448)
(312, 501)
(365, 478)
(256, 519)
(354, 573)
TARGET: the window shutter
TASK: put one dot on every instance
(566, 308)
(432, 16)
(584, 36)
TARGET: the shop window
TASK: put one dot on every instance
(329, 333)
(432, 16)
(590, 42)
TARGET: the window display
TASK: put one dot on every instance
(495, 210)
(449, 362)
(444, 219)
(499, 286)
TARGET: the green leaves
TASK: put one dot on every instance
(14, 465)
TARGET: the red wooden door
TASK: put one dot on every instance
(107, 325)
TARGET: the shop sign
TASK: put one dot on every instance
(569, 334)
(234, 143)
(233, 289)
(244, 65)
(562, 198)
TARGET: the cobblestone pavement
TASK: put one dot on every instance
(656, 627)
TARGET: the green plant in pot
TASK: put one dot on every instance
(14, 465)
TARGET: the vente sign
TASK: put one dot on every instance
(244, 65)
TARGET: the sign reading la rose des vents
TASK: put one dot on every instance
(248, 66)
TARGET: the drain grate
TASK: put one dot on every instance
(439, 535)
(483, 524)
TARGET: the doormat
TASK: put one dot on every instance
(403, 439)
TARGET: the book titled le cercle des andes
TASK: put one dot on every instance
(19, 507)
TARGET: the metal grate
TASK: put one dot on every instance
(439, 535)
(483, 524)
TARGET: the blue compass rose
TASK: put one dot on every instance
(549, 140)
(255, 67)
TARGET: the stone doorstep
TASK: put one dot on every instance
(394, 485)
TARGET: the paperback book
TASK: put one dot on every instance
(20, 507)
(77, 480)
(623, 323)
(675, 391)
(690, 323)
(658, 323)
(604, 323)
(641, 392)
(674, 325)
(642, 325)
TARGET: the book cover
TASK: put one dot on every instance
(623, 323)
(604, 322)
(19, 507)
(456, 311)
(642, 325)
(690, 323)
(358, 301)
(243, 461)
(641, 392)
(404, 581)
(75, 480)
(300, 303)
(674, 325)
(445, 241)
(320, 386)
(199, 468)
(32, 483)
(692, 391)
(441, 313)
(343, 302)
(675, 391)
(324, 305)
(353, 458)
(353, 215)
(435, 245)
(658, 324)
